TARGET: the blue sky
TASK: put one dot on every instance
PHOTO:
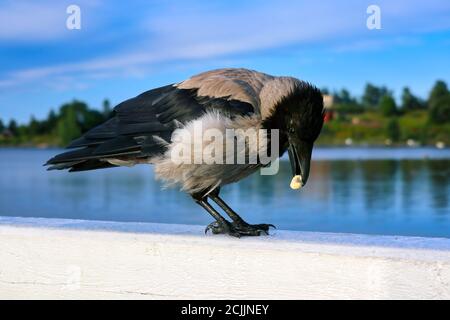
(126, 47)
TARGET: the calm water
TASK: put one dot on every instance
(373, 191)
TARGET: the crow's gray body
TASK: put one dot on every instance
(142, 129)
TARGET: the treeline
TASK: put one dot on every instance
(381, 99)
(60, 127)
(377, 118)
(373, 118)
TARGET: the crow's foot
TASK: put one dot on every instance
(239, 229)
(218, 227)
(246, 229)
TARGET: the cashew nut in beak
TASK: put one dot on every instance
(296, 182)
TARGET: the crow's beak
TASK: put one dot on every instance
(300, 158)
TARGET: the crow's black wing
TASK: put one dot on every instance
(139, 124)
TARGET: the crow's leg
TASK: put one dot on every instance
(240, 225)
(221, 225)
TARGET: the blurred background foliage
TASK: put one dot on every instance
(377, 119)
(60, 127)
(373, 119)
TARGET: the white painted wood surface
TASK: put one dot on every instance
(68, 259)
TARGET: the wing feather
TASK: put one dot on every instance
(142, 122)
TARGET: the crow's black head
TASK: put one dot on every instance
(299, 118)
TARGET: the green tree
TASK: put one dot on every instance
(68, 128)
(343, 97)
(388, 106)
(86, 118)
(2, 126)
(372, 95)
(439, 103)
(91, 119)
(70, 121)
(393, 129)
(12, 127)
(33, 127)
(106, 108)
(51, 122)
(344, 102)
(439, 111)
(411, 102)
(78, 107)
(438, 91)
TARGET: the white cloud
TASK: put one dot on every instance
(189, 32)
(264, 25)
(30, 21)
(35, 21)
(377, 44)
(201, 35)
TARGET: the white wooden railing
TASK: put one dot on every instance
(55, 258)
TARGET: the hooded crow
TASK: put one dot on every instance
(153, 127)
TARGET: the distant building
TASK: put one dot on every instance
(6, 133)
(328, 101)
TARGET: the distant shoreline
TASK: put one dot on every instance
(328, 152)
(317, 146)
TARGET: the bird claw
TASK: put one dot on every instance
(255, 229)
(209, 227)
(239, 229)
(214, 227)
(217, 227)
